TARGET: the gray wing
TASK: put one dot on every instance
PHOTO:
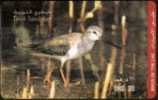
(55, 46)
(60, 45)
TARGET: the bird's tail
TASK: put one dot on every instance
(32, 44)
(56, 57)
(46, 55)
(36, 43)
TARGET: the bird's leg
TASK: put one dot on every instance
(68, 71)
(62, 73)
(81, 70)
(47, 79)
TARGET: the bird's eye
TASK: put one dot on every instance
(94, 32)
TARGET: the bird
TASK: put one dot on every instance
(71, 46)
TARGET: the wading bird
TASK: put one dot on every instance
(71, 46)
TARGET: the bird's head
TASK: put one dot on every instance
(94, 32)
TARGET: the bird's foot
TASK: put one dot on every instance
(77, 83)
(47, 80)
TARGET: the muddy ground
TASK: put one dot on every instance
(12, 71)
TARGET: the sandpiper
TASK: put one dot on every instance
(72, 45)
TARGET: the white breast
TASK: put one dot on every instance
(80, 48)
(73, 52)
